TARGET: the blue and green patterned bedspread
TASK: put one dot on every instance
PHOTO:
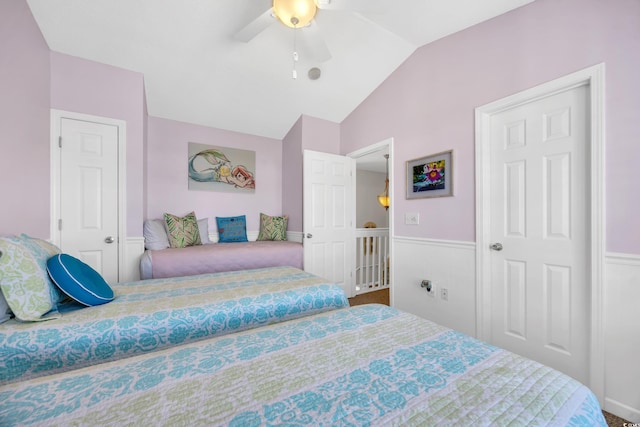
(154, 314)
(362, 366)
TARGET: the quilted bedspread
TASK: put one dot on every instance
(365, 365)
(218, 257)
(151, 315)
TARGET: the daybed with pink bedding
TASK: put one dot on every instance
(162, 260)
(219, 257)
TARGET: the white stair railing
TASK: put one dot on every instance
(372, 259)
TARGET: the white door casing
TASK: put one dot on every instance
(537, 310)
(381, 146)
(328, 216)
(87, 211)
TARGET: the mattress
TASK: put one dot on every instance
(365, 365)
(218, 257)
(155, 314)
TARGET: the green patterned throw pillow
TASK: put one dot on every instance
(183, 231)
(273, 227)
(26, 286)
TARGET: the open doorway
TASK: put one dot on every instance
(373, 222)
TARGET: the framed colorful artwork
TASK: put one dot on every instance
(430, 176)
(223, 169)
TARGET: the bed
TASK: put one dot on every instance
(151, 315)
(218, 257)
(364, 365)
(174, 252)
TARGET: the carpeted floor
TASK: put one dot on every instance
(613, 421)
(382, 297)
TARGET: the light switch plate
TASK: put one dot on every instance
(411, 218)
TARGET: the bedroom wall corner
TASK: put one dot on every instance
(88, 87)
(24, 119)
(308, 133)
(292, 176)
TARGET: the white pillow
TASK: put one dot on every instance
(155, 235)
(156, 238)
(203, 228)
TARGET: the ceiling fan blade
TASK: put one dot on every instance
(314, 43)
(255, 27)
(353, 5)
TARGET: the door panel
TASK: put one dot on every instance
(540, 288)
(89, 194)
(328, 215)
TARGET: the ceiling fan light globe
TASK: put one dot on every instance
(295, 13)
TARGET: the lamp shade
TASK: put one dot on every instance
(295, 13)
(383, 198)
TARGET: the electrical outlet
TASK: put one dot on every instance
(444, 294)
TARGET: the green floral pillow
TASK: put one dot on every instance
(273, 227)
(24, 280)
(183, 231)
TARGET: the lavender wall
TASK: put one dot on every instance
(166, 178)
(320, 135)
(428, 103)
(88, 87)
(24, 120)
(308, 133)
(292, 176)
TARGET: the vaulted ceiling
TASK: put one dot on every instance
(201, 67)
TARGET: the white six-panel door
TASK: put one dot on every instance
(328, 214)
(88, 223)
(539, 185)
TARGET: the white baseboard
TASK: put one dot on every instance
(621, 410)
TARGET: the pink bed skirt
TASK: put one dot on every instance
(218, 257)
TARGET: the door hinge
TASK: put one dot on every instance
(60, 141)
(59, 225)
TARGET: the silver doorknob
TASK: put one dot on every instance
(309, 235)
(496, 247)
(109, 239)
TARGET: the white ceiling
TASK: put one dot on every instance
(196, 72)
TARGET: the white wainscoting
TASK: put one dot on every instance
(295, 236)
(449, 265)
(134, 247)
(622, 335)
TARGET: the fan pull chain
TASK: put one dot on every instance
(295, 21)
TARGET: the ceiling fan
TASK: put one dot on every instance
(300, 14)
